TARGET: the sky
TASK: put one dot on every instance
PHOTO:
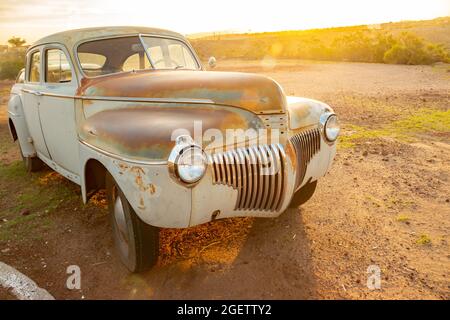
(33, 19)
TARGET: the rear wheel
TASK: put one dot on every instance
(303, 195)
(32, 164)
(137, 243)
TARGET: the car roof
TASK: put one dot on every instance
(71, 37)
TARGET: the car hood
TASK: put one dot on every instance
(255, 93)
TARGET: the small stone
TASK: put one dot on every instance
(365, 153)
(6, 250)
(25, 212)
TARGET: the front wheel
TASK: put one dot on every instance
(303, 195)
(137, 243)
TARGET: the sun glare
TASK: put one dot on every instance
(32, 20)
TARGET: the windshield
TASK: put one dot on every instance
(169, 53)
(123, 54)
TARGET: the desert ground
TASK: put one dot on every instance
(385, 202)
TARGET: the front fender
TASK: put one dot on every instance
(304, 112)
(155, 197)
(17, 116)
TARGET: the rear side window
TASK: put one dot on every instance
(57, 67)
(35, 69)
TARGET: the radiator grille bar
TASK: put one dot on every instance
(257, 172)
(306, 145)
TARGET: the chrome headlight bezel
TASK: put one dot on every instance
(184, 145)
(324, 120)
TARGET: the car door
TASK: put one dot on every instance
(32, 98)
(57, 108)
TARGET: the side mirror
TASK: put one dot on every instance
(212, 62)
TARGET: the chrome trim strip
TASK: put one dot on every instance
(278, 180)
(126, 99)
(162, 100)
(254, 167)
(249, 171)
(242, 179)
(267, 156)
(13, 114)
(115, 156)
(261, 177)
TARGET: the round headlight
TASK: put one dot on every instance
(332, 128)
(191, 164)
(329, 125)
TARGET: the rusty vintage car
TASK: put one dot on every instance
(133, 111)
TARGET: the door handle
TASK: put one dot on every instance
(36, 93)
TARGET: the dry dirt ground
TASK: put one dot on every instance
(386, 202)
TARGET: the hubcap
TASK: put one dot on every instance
(121, 226)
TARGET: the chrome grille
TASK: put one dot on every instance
(257, 173)
(306, 145)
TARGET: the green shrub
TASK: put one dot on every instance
(398, 54)
(10, 68)
(411, 49)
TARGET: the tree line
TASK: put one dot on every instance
(358, 46)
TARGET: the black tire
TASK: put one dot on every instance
(303, 195)
(137, 243)
(32, 164)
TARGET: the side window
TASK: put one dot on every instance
(35, 65)
(57, 67)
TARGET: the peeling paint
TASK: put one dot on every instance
(253, 92)
(152, 188)
(145, 131)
